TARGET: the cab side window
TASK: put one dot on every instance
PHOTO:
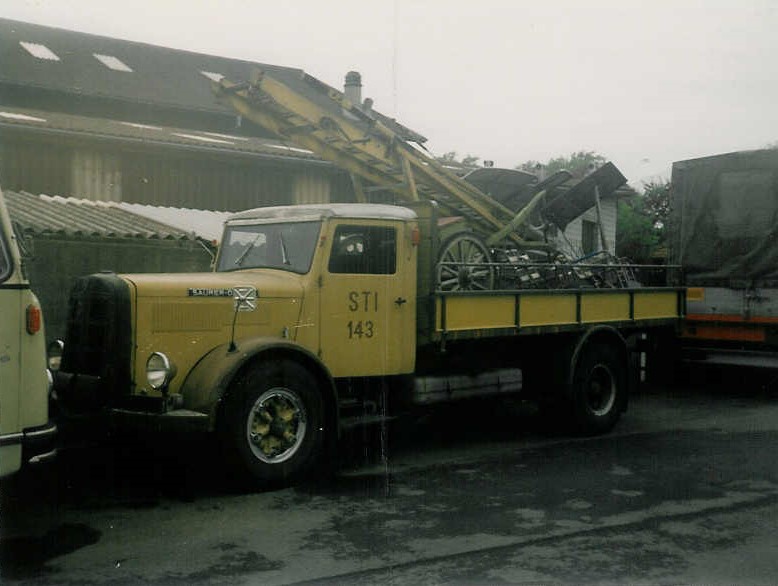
(364, 250)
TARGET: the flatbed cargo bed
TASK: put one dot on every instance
(468, 315)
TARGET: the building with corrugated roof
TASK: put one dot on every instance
(106, 119)
(63, 238)
(137, 127)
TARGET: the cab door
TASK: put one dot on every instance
(368, 299)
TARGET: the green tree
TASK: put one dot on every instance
(642, 221)
(579, 164)
(636, 237)
(451, 158)
(656, 202)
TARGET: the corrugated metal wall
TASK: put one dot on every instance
(58, 261)
(35, 167)
(96, 175)
(310, 187)
(203, 183)
(105, 171)
(342, 190)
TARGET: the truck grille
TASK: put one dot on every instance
(98, 339)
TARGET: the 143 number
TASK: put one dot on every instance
(360, 329)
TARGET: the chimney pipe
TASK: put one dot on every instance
(353, 88)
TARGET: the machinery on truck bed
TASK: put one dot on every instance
(724, 213)
(388, 166)
(318, 316)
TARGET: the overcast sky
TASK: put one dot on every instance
(642, 83)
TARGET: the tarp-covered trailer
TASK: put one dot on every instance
(724, 235)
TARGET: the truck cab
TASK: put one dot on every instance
(357, 279)
(26, 433)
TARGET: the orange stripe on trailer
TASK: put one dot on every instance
(723, 332)
(730, 318)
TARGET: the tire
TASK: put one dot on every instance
(598, 395)
(273, 425)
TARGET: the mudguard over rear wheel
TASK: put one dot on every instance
(273, 426)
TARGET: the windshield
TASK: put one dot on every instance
(286, 246)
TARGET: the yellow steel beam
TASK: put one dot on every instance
(371, 151)
(241, 103)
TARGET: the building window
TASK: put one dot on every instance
(112, 62)
(589, 234)
(39, 51)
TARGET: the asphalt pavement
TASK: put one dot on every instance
(685, 490)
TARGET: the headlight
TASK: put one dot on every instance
(54, 354)
(159, 371)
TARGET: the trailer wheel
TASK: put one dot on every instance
(599, 389)
(463, 264)
(274, 422)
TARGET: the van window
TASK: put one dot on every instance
(5, 257)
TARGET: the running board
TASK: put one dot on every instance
(364, 420)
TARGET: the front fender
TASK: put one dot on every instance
(210, 379)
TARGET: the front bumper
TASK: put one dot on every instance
(39, 444)
(81, 394)
(177, 420)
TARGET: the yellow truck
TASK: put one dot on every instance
(425, 290)
(26, 433)
(315, 314)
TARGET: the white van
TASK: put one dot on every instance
(26, 434)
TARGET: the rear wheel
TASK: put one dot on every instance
(274, 422)
(599, 388)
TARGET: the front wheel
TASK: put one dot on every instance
(599, 389)
(274, 422)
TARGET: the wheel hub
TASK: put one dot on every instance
(465, 278)
(276, 425)
(601, 390)
(464, 265)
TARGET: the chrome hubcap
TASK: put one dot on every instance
(276, 425)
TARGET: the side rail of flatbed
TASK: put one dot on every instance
(461, 315)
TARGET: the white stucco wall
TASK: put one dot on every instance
(571, 242)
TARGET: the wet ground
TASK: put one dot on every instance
(685, 490)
